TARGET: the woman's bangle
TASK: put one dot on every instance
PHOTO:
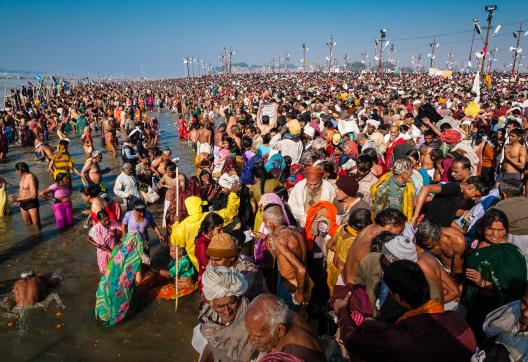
(483, 283)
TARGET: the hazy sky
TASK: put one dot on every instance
(124, 37)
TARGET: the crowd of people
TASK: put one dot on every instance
(331, 217)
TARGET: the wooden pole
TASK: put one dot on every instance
(177, 250)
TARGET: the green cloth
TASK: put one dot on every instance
(505, 266)
(116, 288)
(81, 124)
(389, 194)
(185, 267)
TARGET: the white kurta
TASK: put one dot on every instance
(298, 194)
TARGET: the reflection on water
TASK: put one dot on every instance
(156, 332)
(19, 315)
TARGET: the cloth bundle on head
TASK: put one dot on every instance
(451, 136)
(402, 248)
(294, 127)
(228, 181)
(348, 184)
(336, 139)
(220, 282)
(373, 123)
(221, 246)
(309, 131)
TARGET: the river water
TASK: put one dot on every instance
(154, 333)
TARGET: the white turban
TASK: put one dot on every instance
(219, 282)
(373, 122)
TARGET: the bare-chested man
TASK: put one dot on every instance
(158, 165)
(446, 244)
(234, 131)
(434, 271)
(32, 288)
(193, 135)
(28, 196)
(289, 248)
(204, 138)
(110, 129)
(169, 181)
(514, 157)
(390, 220)
(92, 172)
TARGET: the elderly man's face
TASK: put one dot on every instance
(313, 182)
(128, 170)
(227, 262)
(458, 172)
(370, 129)
(260, 335)
(226, 308)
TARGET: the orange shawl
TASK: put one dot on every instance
(315, 213)
(431, 307)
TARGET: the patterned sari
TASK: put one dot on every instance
(116, 289)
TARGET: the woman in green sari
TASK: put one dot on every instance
(114, 298)
(496, 271)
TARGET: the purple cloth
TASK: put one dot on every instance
(140, 227)
(59, 192)
(63, 214)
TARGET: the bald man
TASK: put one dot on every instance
(272, 327)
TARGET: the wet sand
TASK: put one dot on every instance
(154, 333)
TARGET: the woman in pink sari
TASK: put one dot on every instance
(104, 235)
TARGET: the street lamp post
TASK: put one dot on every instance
(490, 9)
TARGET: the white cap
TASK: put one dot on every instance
(309, 131)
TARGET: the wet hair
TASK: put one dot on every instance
(265, 119)
(427, 231)
(405, 278)
(170, 166)
(512, 188)
(360, 219)
(101, 215)
(210, 221)
(518, 132)
(91, 190)
(22, 167)
(464, 162)
(364, 163)
(379, 240)
(390, 216)
(491, 216)
(139, 205)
